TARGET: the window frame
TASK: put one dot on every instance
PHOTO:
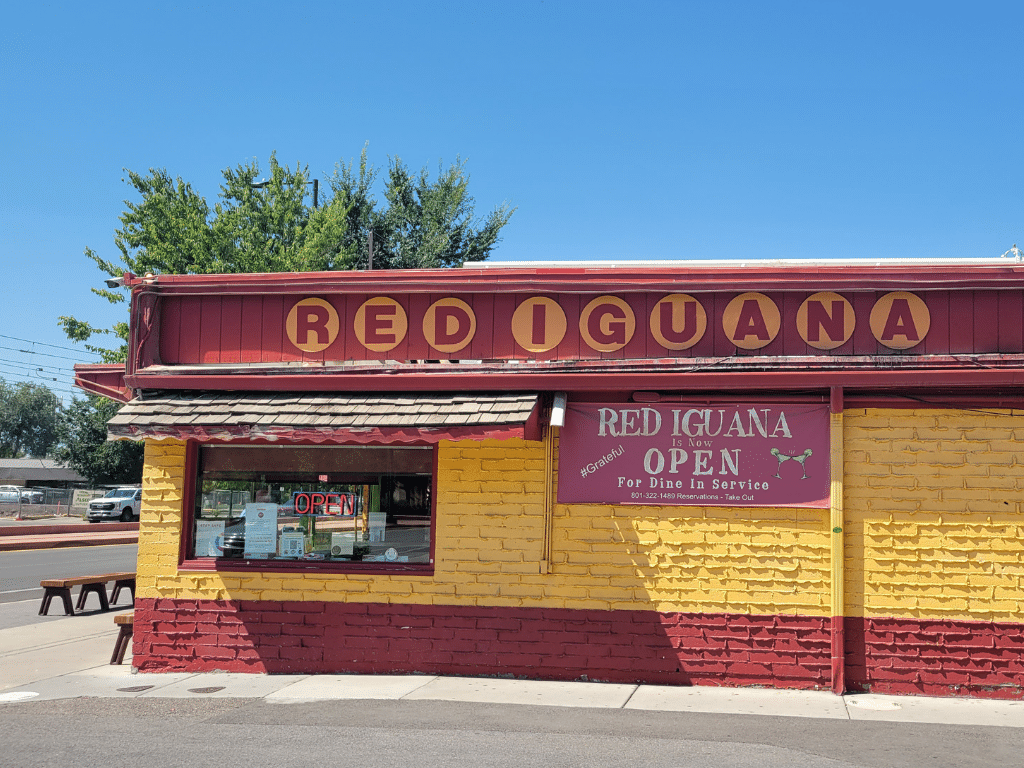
(211, 564)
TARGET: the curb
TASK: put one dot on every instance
(62, 529)
(10, 543)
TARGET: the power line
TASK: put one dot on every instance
(32, 367)
(55, 346)
(44, 354)
(43, 376)
(55, 377)
(24, 378)
(57, 391)
(43, 383)
(28, 378)
(44, 371)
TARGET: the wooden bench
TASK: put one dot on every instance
(126, 621)
(98, 584)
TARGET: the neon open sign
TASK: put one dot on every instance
(316, 503)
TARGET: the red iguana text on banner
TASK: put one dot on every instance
(749, 455)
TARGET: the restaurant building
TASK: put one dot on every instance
(789, 474)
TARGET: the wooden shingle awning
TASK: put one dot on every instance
(328, 418)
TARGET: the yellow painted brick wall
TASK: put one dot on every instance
(163, 483)
(490, 533)
(696, 559)
(933, 514)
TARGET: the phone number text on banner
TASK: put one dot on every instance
(759, 455)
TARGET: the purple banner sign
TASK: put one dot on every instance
(750, 455)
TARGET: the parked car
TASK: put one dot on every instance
(233, 544)
(10, 494)
(32, 496)
(116, 504)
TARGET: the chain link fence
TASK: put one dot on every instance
(43, 502)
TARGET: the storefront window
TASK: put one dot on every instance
(313, 505)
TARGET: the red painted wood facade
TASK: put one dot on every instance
(216, 331)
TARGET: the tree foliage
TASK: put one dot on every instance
(268, 226)
(29, 414)
(83, 444)
(426, 223)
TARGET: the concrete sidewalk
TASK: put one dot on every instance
(69, 658)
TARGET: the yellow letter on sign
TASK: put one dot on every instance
(607, 324)
(312, 325)
(381, 324)
(751, 320)
(538, 324)
(678, 321)
(825, 320)
(900, 320)
(449, 325)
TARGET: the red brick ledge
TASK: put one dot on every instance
(65, 528)
(883, 655)
(53, 541)
(935, 658)
(547, 644)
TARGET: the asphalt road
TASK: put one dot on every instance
(21, 572)
(160, 733)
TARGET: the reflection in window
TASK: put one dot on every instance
(329, 504)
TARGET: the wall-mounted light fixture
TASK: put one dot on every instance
(558, 410)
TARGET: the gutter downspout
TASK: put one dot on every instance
(837, 549)
(556, 420)
(549, 477)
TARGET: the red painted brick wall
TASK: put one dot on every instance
(935, 658)
(905, 656)
(553, 644)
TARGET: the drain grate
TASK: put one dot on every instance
(135, 689)
(211, 689)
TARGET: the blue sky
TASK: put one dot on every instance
(654, 130)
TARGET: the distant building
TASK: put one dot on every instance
(39, 473)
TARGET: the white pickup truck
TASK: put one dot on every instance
(10, 494)
(116, 504)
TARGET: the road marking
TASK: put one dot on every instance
(12, 591)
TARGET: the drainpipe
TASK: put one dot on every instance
(549, 466)
(837, 550)
(555, 422)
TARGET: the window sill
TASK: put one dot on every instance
(207, 565)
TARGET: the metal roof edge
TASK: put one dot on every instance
(751, 263)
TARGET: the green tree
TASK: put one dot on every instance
(254, 227)
(425, 223)
(29, 414)
(267, 226)
(83, 446)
